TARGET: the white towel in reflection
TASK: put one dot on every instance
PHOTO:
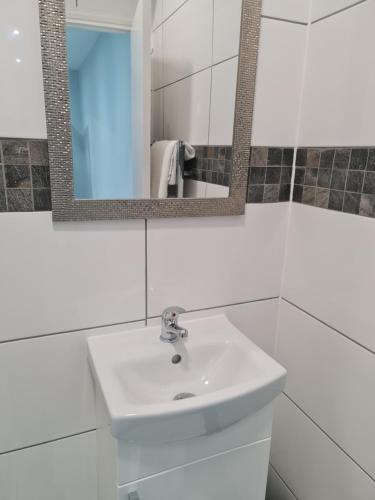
(166, 169)
(163, 160)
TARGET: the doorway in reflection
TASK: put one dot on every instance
(99, 64)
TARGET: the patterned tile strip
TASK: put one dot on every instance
(270, 175)
(24, 176)
(212, 164)
(341, 179)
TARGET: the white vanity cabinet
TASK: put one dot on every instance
(235, 475)
(213, 443)
(230, 464)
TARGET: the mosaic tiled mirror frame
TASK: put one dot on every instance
(67, 208)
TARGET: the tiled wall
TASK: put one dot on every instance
(212, 164)
(322, 439)
(194, 95)
(24, 176)
(341, 179)
(270, 174)
(67, 278)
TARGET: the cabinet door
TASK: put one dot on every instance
(236, 475)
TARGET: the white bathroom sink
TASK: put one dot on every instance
(225, 376)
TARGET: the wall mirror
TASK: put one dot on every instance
(149, 105)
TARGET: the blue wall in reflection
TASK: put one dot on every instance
(100, 94)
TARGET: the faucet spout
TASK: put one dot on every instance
(170, 330)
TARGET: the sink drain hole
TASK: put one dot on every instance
(183, 395)
(176, 359)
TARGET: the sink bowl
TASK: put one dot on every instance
(158, 393)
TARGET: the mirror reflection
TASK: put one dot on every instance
(152, 95)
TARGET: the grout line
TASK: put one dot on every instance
(225, 305)
(364, 173)
(170, 15)
(212, 75)
(301, 101)
(47, 442)
(31, 176)
(195, 73)
(328, 436)
(273, 18)
(282, 480)
(338, 11)
(63, 332)
(328, 326)
(123, 323)
(146, 274)
(4, 178)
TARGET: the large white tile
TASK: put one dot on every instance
(292, 10)
(331, 379)
(310, 463)
(187, 109)
(198, 263)
(279, 83)
(223, 100)
(46, 388)
(276, 488)
(227, 28)
(321, 8)
(67, 276)
(339, 93)
(330, 269)
(187, 40)
(156, 13)
(157, 115)
(21, 84)
(60, 470)
(157, 58)
(256, 320)
(170, 6)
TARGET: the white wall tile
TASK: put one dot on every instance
(276, 488)
(257, 320)
(200, 263)
(188, 40)
(330, 269)
(21, 85)
(156, 13)
(46, 388)
(67, 276)
(312, 465)
(227, 26)
(157, 115)
(187, 109)
(60, 470)
(339, 93)
(321, 8)
(279, 83)
(330, 378)
(293, 10)
(170, 6)
(157, 58)
(223, 100)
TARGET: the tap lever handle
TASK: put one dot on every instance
(171, 313)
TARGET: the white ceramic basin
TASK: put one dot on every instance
(229, 376)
